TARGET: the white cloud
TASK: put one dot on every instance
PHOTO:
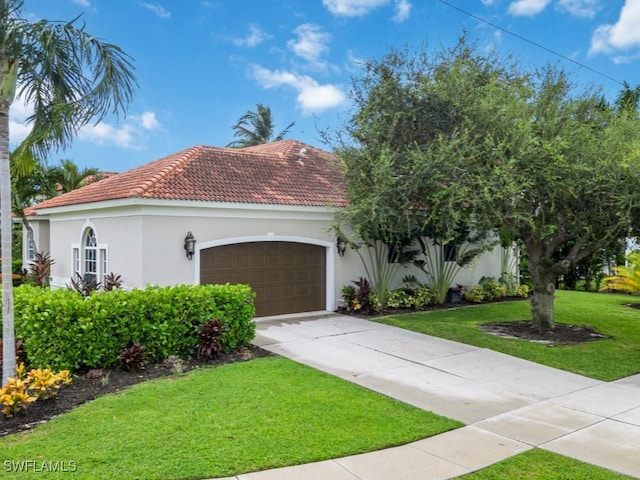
(104, 133)
(520, 8)
(18, 128)
(488, 3)
(312, 97)
(352, 8)
(579, 8)
(157, 9)
(403, 9)
(148, 121)
(311, 43)
(624, 35)
(82, 3)
(255, 37)
(128, 135)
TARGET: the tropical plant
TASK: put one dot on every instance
(83, 285)
(256, 128)
(70, 78)
(39, 269)
(68, 176)
(133, 357)
(112, 281)
(209, 345)
(626, 278)
(442, 262)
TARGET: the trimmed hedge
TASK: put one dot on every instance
(62, 330)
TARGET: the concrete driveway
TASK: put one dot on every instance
(509, 405)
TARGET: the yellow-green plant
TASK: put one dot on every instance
(44, 383)
(27, 387)
(15, 396)
(626, 278)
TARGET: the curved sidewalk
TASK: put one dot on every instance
(509, 405)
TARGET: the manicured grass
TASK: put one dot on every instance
(218, 422)
(609, 359)
(543, 465)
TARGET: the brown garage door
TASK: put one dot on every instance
(287, 277)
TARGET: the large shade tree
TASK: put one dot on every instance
(69, 78)
(256, 128)
(460, 137)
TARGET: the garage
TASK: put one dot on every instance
(288, 277)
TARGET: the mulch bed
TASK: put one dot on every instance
(562, 334)
(95, 383)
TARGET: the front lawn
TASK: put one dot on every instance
(217, 422)
(543, 465)
(608, 359)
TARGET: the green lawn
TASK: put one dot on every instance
(543, 465)
(218, 422)
(609, 359)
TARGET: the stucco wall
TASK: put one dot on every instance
(165, 260)
(117, 232)
(145, 242)
(40, 235)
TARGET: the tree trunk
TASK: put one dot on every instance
(542, 307)
(544, 274)
(8, 336)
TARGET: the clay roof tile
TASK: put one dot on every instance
(287, 172)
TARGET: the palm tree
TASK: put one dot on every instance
(29, 187)
(68, 175)
(256, 128)
(70, 78)
(628, 99)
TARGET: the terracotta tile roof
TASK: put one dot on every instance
(280, 173)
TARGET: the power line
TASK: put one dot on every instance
(480, 19)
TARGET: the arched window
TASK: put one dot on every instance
(90, 255)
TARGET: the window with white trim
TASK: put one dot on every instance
(89, 258)
(90, 254)
(31, 245)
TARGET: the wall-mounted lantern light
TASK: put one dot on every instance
(341, 245)
(190, 245)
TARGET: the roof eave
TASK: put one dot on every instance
(133, 202)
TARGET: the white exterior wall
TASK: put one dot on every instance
(145, 240)
(40, 236)
(118, 232)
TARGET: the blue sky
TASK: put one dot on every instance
(200, 64)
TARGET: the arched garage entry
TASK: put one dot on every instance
(287, 276)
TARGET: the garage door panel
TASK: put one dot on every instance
(287, 277)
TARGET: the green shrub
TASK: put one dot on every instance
(424, 296)
(522, 291)
(63, 330)
(492, 290)
(475, 294)
(399, 299)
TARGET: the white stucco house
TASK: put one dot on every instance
(259, 215)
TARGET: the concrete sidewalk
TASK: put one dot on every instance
(509, 405)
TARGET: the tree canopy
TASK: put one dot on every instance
(464, 138)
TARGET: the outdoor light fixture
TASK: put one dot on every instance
(190, 245)
(341, 245)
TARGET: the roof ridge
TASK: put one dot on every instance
(179, 161)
